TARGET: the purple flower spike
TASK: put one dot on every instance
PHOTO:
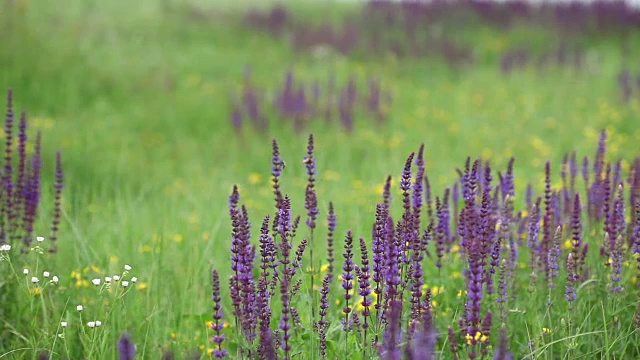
(311, 201)
(390, 349)
(331, 220)
(217, 325)
(126, 348)
(58, 185)
(347, 277)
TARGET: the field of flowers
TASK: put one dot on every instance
(184, 179)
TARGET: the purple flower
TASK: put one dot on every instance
(126, 348)
(58, 185)
(390, 349)
(285, 324)
(378, 249)
(311, 202)
(217, 325)
(347, 276)
(323, 324)
(502, 352)
(331, 220)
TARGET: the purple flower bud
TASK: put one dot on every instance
(126, 348)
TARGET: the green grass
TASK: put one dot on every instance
(135, 95)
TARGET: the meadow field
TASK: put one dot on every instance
(319, 180)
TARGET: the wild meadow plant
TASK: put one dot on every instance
(300, 103)
(38, 311)
(529, 282)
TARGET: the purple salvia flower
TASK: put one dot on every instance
(598, 164)
(486, 333)
(311, 202)
(250, 102)
(570, 287)
(529, 196)
(364, 283)
(19, 194)
(331, 220)
(576, 240)
(392, 274)
(386, 193)
(440, 233)
(547, 224)
(378, 249)
(323, 324)
(553, 256)
(277, 165)
(284, 228)
(347, 276)
(58, 185)
(7, 172)
(390, 349)
(418, 182)
(455, 199)
(416, 280)
(617, 245)
(237, 251)
(266, 347)
(427, 198)
(217, 325)
(502, 352)
(609, 226)
(424, 340)
(453, 342)
(502, 289)
(126, 348)
(245, 279)
(285, 324)
(267, 250)
(236, 119)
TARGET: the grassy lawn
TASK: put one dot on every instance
(136, 97)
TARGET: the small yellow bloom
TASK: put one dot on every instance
(145, 248)
(174, 335)
(178, 237)
(205, 235)
(209, 324)
(567, 244)
(324, 268)
(437, 290)
(114, 258)
(209, 351)
(546, 331)
(141, 285)
(255, 178)
(455, 248)
(456, 275)
(35, 290)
